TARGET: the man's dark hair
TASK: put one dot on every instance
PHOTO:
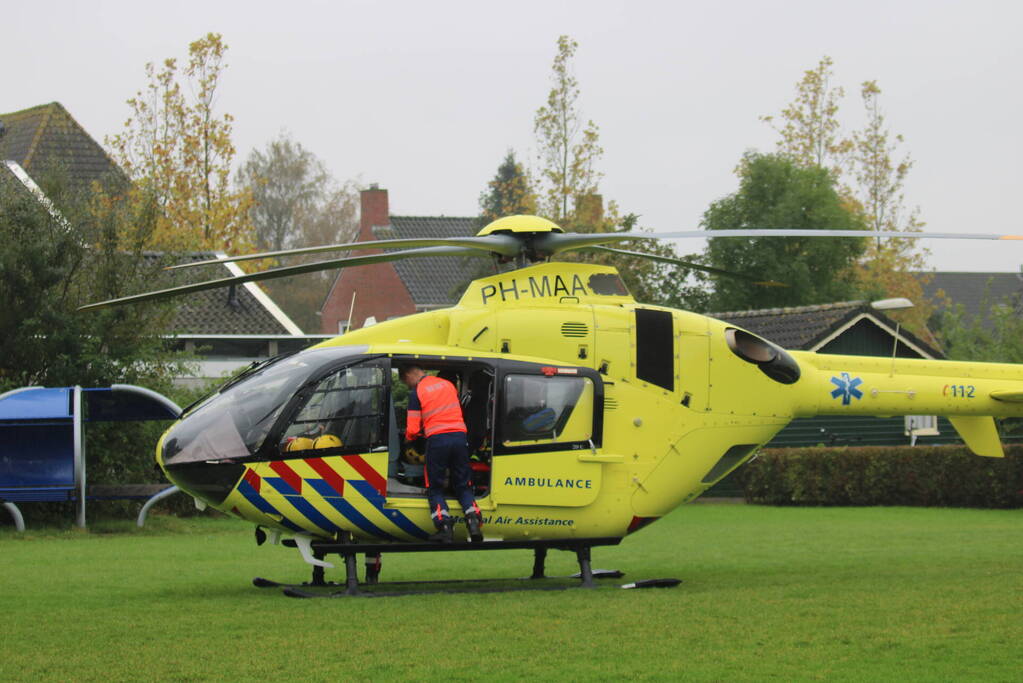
(405, 369)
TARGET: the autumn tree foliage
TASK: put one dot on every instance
(178, 152)
(870, 172)
(568, 147)
(890, 267)
(567, 188)
(808, 128)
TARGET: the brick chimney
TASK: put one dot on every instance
(375, 289)
(374, 211)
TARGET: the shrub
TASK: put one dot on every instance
(890, 475)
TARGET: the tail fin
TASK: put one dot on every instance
(980, 434)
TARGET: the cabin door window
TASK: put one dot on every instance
(548, 429)
(541, 410)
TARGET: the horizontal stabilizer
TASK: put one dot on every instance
(1008, 396)
(980, 434)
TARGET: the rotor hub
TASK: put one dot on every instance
(520, 224)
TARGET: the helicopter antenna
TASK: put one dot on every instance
(351, 312)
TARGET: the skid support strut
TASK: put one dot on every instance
(539, 560)
(351, 564)
(585, 571)
(318, 578)
(351, 574)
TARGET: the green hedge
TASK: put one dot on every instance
(947, 476)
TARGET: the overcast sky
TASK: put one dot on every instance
(425, 98)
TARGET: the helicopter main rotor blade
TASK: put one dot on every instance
(285, 272)
(499, 244)
(690, 265)
(553, 243)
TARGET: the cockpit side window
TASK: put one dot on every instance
(346, 411)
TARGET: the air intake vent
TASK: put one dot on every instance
(574, 329)
(610, 403)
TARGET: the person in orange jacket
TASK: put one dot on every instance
(434, 411)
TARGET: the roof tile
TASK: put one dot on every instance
(975, 291)
(435, 280)
(794, 328)
(213, 311)
(48, 137)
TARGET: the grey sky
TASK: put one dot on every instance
(425, 98)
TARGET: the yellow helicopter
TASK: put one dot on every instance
(590, 415)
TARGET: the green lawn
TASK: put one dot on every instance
(769, 594)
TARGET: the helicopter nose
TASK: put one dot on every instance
(210, 481)
(200, 472)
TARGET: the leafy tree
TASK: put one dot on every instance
(880, 177)
(298, 203)
(809, 127)
(774, 192)
(889, 268)
(54, 262)
(996, 337)
(568, 193)
(811, 135)
(652, 281)
(568, 149)
(508, 194)
(178, 153)
(288, 183)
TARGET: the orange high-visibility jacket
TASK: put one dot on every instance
(433, 408)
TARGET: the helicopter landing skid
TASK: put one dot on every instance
(351, 587)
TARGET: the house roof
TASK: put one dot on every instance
(808, 328)
(432, 281)
(48, 137)
(976, 291)
(249, 312)
(794, 328)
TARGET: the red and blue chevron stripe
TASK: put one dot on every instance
(301, 494)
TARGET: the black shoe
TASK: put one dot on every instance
(473, 522)
(445, 532)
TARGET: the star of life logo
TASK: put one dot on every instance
(846, 388)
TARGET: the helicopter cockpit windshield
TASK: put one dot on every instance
(234, 423)
(345, 410)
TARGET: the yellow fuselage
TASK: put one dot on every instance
(680, 409)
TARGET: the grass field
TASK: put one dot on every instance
(865, 594)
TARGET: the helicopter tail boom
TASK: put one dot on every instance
(969, 394)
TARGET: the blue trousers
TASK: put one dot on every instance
(446, 453)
